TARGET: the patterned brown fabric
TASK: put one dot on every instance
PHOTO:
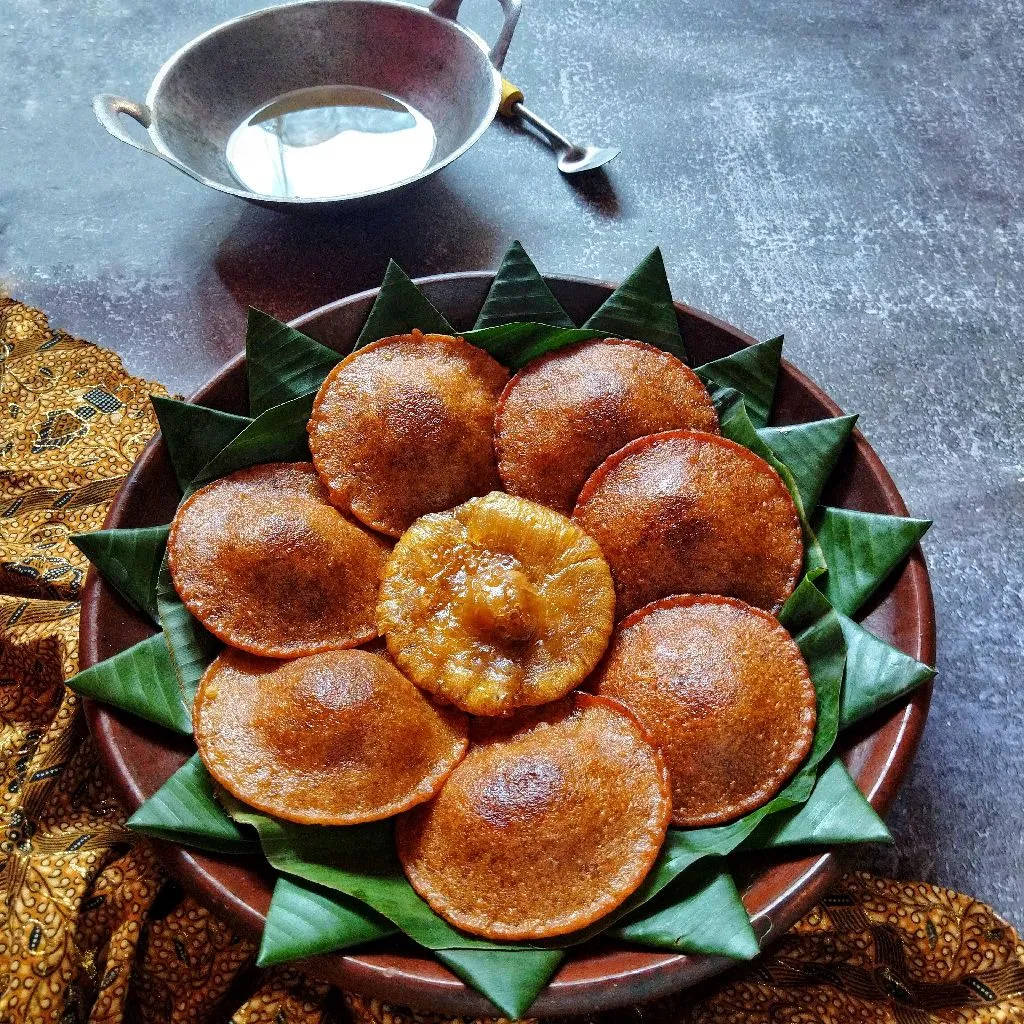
(91, 930)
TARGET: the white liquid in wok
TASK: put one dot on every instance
(330, 141)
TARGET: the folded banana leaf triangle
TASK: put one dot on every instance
(343, 887)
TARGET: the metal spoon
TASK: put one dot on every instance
(572, 159)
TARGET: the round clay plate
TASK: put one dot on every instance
(777, 891)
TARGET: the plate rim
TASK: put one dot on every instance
(419, 980)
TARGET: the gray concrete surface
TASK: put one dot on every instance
(846, 172)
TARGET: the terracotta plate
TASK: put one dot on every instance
(777, 890)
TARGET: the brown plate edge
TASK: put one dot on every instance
(625, 975)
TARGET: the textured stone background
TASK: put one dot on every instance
(846, 172)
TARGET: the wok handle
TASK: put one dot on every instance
(509, 8)
(108, 110)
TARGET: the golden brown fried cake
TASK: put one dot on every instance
(496, 605)
(405, 426)
(264, 562)
(684, 512)
(331, 739)
(551, 822)
(725, 693)
(566, 412)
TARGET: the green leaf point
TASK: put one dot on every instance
(306, 920)
(861, 550)
(753, 372)
(805, 607)
(811, 451)
(129, 560)
(520, 295)
(281, 362)
(141, 680)
(876, 673)
(400, 308)
(836, 813)
(277, 435)
(194, 434)
(641, 308)
(185, 810)
(701, 912)
(510, 980)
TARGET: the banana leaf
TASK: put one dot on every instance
(281, 363)
(685, 847)
(129, 560)
(519, 295)
(811, 451)
(641, 308)
(185, 810)
(735, 424)
(194, 434)
(876, 673)
(861, 549)
(360, 861)
(515, 345)
(700, 912)
(399, 308)
(805, 606)
(277, 435)
(141, 680)
(753, 372)
(836, 813)
(190, 646)
(305, 920)
(512, 980)
(818, 633)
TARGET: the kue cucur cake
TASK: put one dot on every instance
(335, 738)
(404, 426)
(551, 822)
(267, 564)
(723, 691)
(686, 512)
(497, 604)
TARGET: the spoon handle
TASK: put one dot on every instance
(510, 96)
(512, 106)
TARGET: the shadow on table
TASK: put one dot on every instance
(288, 263)
(595, 188)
